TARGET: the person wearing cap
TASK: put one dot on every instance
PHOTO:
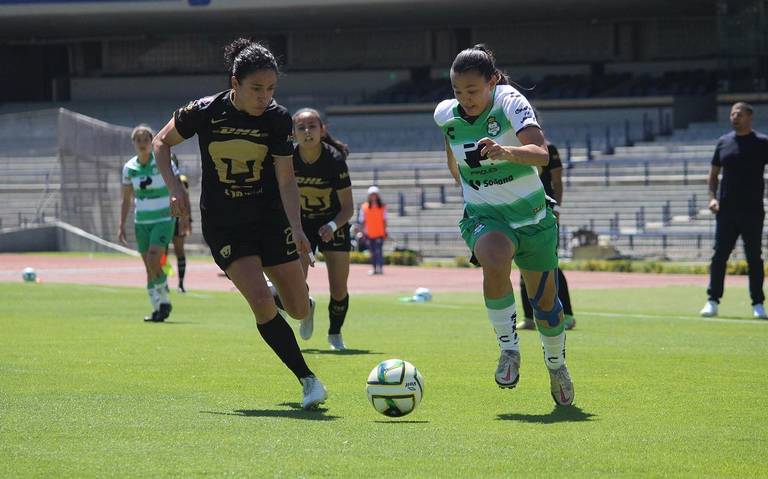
(373, 218)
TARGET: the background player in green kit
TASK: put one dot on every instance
(494, 145)
(326, 207)
(144, 186)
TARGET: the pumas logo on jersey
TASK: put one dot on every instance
(225, 251)
(493, 126)
(228, 130)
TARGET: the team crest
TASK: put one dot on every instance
(225, 251)
(493, 126)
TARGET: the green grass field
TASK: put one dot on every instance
(89, 390)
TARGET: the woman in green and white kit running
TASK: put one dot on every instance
(494, 145)
(144, 186)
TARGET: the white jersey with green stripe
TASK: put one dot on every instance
(502, 190)
(151, 198)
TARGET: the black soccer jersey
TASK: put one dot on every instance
(319, 181)
(237, 155)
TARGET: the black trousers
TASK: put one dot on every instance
(729, 226)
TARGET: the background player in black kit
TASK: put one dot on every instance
(249, 203)
(326, 207)
(551, 178)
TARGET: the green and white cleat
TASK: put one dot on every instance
(508, 370)
(336, 342)
(308, 323)
(314, 393)
(561, 386)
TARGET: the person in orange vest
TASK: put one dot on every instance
(373, 218)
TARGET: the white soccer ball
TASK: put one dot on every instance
(29, 275)
(395, 387)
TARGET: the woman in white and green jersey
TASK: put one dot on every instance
(494, 146)
(144, 186)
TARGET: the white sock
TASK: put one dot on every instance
(154, 300)
(554, 350)
(503, 316)
(162, 292)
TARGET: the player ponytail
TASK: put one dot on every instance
(243, 57)
(479, 58)
(327, 138)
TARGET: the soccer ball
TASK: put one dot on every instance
(29, 275)
(395, 387)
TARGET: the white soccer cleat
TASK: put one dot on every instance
(508, 370)
(758, 311)
(336, 342)
(561, 386)
(308, 323)
(710, 309)
(314, 392)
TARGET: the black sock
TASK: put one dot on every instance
(181, 261)
(281, 339)
(337, 311)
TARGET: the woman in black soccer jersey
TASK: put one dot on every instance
(326, 207)
(250, 201)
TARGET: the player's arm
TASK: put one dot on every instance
(125, 207)
(453, 166)
(532, 152)
(345, 214)
(167, 137)
(289, 194)
(714, 184)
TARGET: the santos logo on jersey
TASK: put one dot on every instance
(476, 184)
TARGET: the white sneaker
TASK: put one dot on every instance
(561, 386)
(314, 392)
(758, 311)
(710, 309)
(336, 342)
(508, 370)
(308, 323)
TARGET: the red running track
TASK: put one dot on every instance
(204, 275)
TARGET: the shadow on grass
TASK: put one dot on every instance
(345, 352)
(559, 414)
(295, 412)
(395, 421)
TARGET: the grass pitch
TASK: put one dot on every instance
(89, 390)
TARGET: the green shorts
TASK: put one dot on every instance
(535, 245)
(159, 234)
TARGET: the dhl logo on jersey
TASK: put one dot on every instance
(309, 180)
(228, 130)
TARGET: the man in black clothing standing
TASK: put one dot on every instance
(741, 155)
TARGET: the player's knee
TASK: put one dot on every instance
(495, 259)
(549, 317)
(261, 301)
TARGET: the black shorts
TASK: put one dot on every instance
(341, 240)
(271, 240)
